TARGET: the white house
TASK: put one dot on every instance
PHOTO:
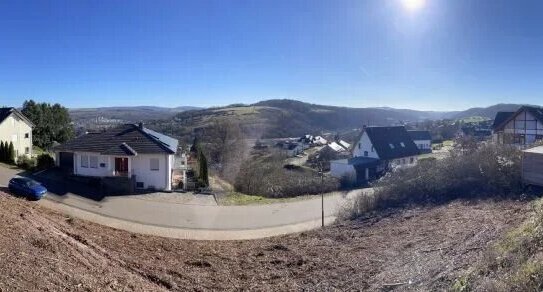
(16, 128)
(130, 150)
(344, 144)
(320, 141)
(422, 139)
(377, 149)
(523, 127)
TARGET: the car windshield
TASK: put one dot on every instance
(31, 183)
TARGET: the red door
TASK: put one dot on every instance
(121, 165)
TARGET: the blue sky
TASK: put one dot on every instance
(448, 55)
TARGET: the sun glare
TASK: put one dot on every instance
(413, 5)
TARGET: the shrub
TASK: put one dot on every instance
(11, 153)
(45, 161)
(269, 178)
(26, 163)
(490, 170)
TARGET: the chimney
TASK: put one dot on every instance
(140, 125)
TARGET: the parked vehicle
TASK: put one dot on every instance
(27, 187)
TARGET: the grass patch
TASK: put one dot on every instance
(515, 262)
(240, 199)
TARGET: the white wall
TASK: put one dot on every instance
(13, 129)
(139, 165)
(159, 179)
(404, 162)
(423, 144)
(338, 169)
(364, 144)
(107, 170)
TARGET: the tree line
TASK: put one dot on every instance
(52, 123)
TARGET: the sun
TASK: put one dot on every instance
(413, 5)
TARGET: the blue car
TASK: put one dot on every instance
(27, 187)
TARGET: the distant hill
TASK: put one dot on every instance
(487, 112)
(270, 118)
(135, 113)
(289, 118)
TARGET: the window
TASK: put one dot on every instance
(372, 149)
(27, 135)
(366, 153)
(403, 160)
(93, 161)
(359, 145)
(27, 150)
(411, 160)
(84, 161)
(154, 164)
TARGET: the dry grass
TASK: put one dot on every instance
(429, 247)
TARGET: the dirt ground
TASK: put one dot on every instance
(422, 249)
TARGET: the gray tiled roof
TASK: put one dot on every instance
(392, 142)
(420, 135)
(126, 140)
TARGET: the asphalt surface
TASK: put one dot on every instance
(159, 215)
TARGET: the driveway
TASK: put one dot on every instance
(194, 221)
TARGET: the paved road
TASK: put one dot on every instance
(256, 219)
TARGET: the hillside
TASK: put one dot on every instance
(270, 118)
(88, 117)
(283, 118)
(403, 250)
(486, 112)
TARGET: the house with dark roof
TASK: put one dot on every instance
(377, 150)
(17, 129)
(422, 139)
(130, 150)
(523, 127)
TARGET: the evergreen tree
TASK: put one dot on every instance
(11, 153)
(202, 163)
(195, 147)
(2, 158)
(5, 152)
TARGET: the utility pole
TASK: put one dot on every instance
(321, 173)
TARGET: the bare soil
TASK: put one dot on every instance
(418, 248)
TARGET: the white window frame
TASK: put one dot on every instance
(153, 167)
(93, 158)
(84, 161)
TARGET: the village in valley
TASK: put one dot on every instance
(300, 145)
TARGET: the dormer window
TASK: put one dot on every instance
(391, 146)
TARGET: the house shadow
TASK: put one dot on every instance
(60, 184)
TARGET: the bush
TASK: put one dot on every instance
(488, 171)
(26, 163)
(45, 161)
(269, 178)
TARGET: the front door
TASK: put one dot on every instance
(121, 166)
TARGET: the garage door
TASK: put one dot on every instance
(66, 161)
